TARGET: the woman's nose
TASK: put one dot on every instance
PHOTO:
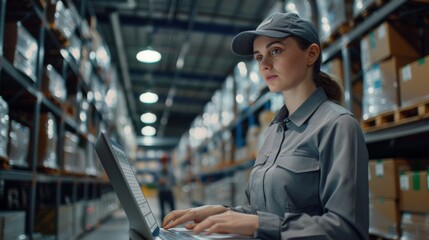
(265, 64)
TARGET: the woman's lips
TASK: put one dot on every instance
(270, 78)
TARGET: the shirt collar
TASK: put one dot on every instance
(304, 111)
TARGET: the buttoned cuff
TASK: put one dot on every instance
(269, 226)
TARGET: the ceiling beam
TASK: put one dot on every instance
(177, 107)
(157, 141)
(204, 27)
(166, 74)
(198, 93)
(180, 82)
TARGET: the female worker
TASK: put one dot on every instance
(310, 179)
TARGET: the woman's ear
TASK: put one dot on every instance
(313, 54)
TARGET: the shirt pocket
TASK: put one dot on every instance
(261, 159)
(298, 175)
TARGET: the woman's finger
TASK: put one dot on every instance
(207, 223)
(190, 226)
(188, 216)
(172, 216)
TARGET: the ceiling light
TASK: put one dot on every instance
(148, 97)
(148, 56)
(148, 131)
(148, 118)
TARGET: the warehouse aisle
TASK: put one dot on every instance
(116, 226)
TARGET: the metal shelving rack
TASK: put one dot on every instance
(81, 185)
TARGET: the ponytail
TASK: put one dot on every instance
(330, 86)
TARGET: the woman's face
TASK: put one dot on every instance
(282, 63)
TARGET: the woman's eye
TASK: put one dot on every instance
(275, 51)
(258, 58)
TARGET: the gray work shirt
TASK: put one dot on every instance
(310, 178)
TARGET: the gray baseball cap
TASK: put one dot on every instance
(278, 25)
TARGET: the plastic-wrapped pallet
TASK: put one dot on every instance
(48, 138)
(381, 87)
(257, 83)
(414, 226)
(12, 225)
(242, 84)
(227, 102)
(361, 5)
(21, 49)
(4, 128)
(60, 18)
(53, 84)
(19, 139)
(333, 14)
(306, 9)
(70, 151)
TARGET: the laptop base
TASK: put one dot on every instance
(134, 235)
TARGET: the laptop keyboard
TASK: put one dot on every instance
(175, 235)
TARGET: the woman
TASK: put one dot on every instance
(310, 179)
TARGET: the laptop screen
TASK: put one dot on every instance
(135, 187)
(126, 187)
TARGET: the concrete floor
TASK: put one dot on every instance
(115, 227)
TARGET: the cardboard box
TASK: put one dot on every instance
(385, 41)
(335, 68)
(414, 191)
(413, 79)
(384, 218)
(381, 86)
(383, 177)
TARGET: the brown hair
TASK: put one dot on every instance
(321, 79)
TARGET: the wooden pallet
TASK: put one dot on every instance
(365, 13)
(403, 115)
(49, 171)
(53, 99)
(4, 163)
(341, 30)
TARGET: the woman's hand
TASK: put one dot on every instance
(196, 215)
(229, 222)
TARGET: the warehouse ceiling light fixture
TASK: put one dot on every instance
(148, 131)
(148, 117)
(148, 97)
(148, 56)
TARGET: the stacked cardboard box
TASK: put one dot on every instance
(414, 194)
(413, 80)
(384, 192)
(383, 52)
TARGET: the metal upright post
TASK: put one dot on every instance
(345, 53)
(33, 164)
(2, 19)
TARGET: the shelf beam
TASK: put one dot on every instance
(18, 175)
(398, 131)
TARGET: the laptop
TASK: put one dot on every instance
(143, 224)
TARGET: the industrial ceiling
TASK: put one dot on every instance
(197, 33)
